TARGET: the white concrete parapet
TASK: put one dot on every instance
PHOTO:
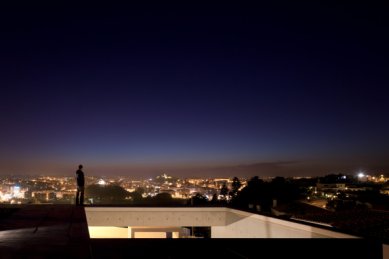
(224, 222)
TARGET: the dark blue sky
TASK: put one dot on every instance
(194, 89)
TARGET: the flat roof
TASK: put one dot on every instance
(44, 231)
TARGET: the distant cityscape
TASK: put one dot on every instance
(57, 189)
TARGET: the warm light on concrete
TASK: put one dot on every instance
(108, 232)
(224, 222)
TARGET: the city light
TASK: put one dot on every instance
(101, 182)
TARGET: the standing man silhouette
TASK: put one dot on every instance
(80, 186)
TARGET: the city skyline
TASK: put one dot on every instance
(246, 171)
(239, 89)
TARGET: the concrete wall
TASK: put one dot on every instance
(106, 216)
(108, 232)
(240, 224)
(138, 232)
(385, 251)
(135, 232)
(225, 223)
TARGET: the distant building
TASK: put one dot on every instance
(385, 190)
(44, 195)
(331, 187)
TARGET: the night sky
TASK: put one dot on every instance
(192, 90)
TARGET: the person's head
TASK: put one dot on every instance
(80, 167)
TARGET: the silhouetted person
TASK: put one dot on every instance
(80, 186)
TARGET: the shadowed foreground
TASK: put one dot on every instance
(61, 231)
(44, 231)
